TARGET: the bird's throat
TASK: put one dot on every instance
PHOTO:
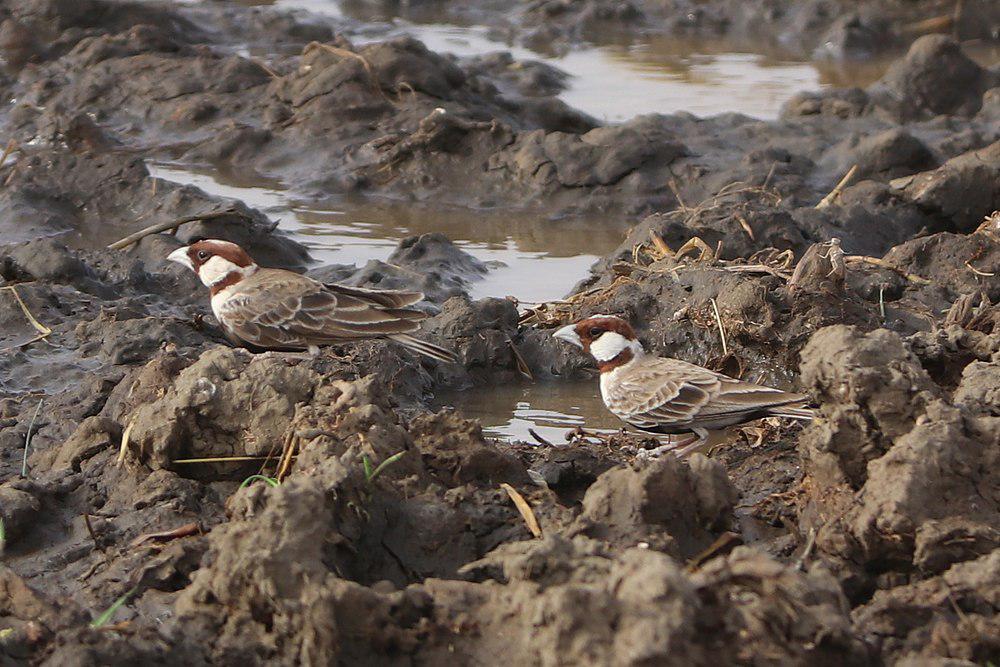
(227, 281)
(617, 361)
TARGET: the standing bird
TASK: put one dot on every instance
(275, 309)
(670, 396)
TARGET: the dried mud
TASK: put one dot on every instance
(868, 537)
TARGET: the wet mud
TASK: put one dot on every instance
(169, 499)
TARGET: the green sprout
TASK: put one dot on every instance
(253, 478)
(371, 475)
(110, 611)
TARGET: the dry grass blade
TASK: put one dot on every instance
(722, 330)
(985, 274)
(170, 224)
(42, 330)
(722, 545)
(844, 182)
(660, 245)
(756, 268)
(344, 53)
(522, 365)
(287, 456)
(11, 146)
(27, 439)
(524, 508)
(223, 459)
(123, 449)
(875, 261)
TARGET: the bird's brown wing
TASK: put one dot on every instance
(393, 299)
(672, 393)
(283, 310)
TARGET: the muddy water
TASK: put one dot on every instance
(550, 409)
(531, 258)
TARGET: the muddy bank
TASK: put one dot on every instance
(387, 533)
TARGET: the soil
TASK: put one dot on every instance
(870, 536)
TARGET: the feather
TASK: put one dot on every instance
(423, 347)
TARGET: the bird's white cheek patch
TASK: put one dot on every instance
(215, 269)
(609, 345)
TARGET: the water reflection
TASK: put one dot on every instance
(537, 258)
(550, 409)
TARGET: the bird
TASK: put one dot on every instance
(668, 396)
(266, 309)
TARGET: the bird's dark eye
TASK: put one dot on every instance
(595, 332)
(203, 255)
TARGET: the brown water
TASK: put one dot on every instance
(624, 75)
(550, 409)
(532, 258)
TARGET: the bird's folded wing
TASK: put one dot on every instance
(386, 298)
(297, 312)
(669, 391)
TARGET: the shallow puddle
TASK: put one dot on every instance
(617, 81)
(550, 409)
(532, 258)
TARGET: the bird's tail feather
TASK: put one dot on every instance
(423, 347)
(793, 413)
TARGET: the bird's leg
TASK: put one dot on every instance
(678, 449)
(701, 437)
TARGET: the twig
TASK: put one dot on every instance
(539, 439)
(677, 194)
(171, 224)
(881, 301)
(722, 330)
(875, 261)
(524, 508)
(844, 182)
(800, 563)
(28, 438)
(188, 529)
(90, 530)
